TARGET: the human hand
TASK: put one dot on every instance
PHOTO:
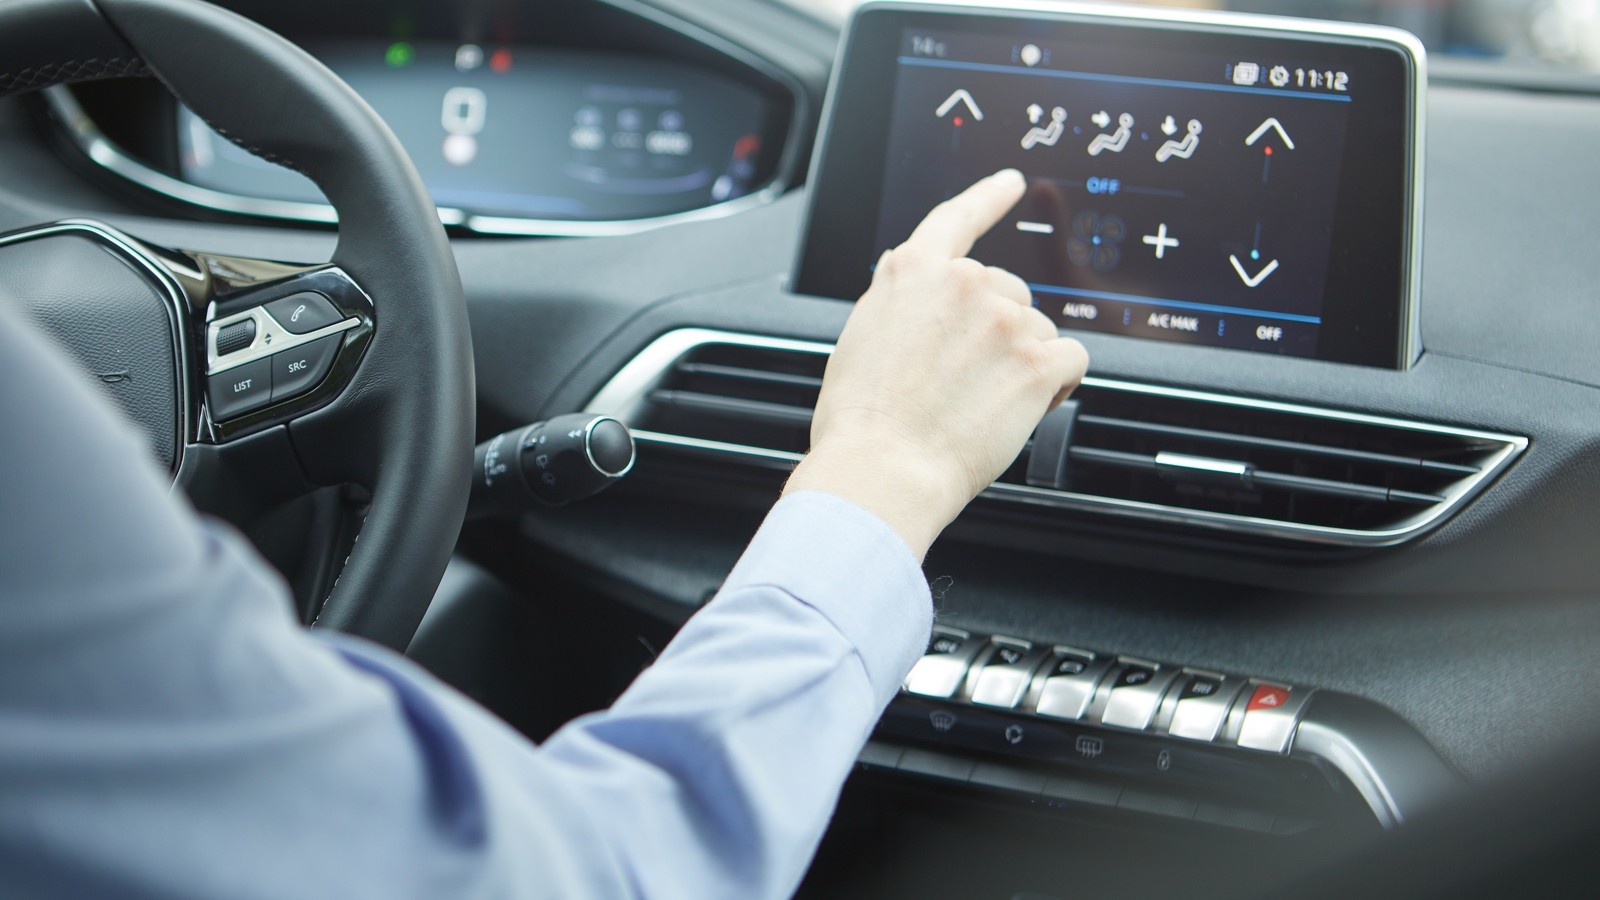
(942, 372)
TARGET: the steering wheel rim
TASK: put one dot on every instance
(403, 427)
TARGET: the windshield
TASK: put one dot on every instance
(1561, 33)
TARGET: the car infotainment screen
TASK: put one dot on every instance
(1236, 182)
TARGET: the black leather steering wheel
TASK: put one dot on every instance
(395, 415)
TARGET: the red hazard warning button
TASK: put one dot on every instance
(1268, 696)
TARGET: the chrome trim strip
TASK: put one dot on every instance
(627, 393)
(1395, 770)
(271, 338)
(89, 138)
(1410, 348)
(178, 308)
(1202, 464)
(782, 459)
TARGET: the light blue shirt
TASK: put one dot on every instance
(168, 730)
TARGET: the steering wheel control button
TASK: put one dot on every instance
(240, 390)
(303, 313)
(941, 671)
(1004, 676)
(299, 370)
(1202, 707)
(1070, 679)
(1136, 694)
(1270, 717)
(236, 337)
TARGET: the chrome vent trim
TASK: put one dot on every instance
(627, 396)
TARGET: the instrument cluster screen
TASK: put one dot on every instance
(1222, 190)
(530, 133)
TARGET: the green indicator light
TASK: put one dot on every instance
(399, 54)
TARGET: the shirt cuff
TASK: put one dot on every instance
(851, 567)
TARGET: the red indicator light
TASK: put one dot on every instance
(501, 60)
(746, 146)
(958, 121)
(1267, 150)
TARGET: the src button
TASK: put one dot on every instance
(299, 370)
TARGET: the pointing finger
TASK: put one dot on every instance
(955, 225)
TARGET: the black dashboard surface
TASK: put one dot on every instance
(1481, 634)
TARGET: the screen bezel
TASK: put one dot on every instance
(1376, 242)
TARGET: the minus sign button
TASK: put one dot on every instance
(1036, 227)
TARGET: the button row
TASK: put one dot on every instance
(1121, 692)
(275, 378)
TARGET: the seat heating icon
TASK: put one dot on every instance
(1044, 135)
(1114, 141)
(1182, 149)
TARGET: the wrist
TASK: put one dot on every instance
(913, 496)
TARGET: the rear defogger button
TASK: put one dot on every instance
(1202, 707)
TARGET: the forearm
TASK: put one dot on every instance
(727, 755)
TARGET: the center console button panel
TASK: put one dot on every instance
(1113, 692)
(1045, 723)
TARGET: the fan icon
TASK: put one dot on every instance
(1096, 240)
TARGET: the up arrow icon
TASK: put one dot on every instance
(960, 96)
(1270, 124)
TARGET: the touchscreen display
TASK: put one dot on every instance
(1209, 188)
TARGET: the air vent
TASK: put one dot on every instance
(1179, 457)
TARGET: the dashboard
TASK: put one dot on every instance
(1400, 535)
(511, 135)
(522, 134)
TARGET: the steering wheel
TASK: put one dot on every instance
(358, 371)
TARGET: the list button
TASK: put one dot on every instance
(240, 390)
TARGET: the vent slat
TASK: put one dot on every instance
(1290, 446)
(737, 407)
(742, 373)
(1257, 478)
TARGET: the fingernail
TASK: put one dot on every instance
(1008, 175)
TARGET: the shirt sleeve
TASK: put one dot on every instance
(167, 729)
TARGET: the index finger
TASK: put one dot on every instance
(956, 224)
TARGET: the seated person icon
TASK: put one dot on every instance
(1114, 141)
(1181, 149)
